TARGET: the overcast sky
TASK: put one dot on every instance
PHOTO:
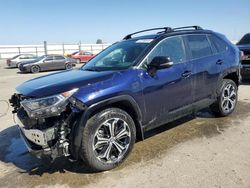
(56, 21)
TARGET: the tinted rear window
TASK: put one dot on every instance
(245, 39)
(218, 43)
(199, 46)
(59, 57)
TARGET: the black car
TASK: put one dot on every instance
(244, 46)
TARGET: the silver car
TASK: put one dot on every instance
(46, 63)
(16, 60)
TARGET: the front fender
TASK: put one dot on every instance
(102, 104)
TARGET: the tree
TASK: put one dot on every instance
(99, 41)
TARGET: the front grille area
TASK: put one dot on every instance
(22, 68)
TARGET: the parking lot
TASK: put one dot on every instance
(201, 151)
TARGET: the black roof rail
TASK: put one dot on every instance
(195, 27)
(166, 29)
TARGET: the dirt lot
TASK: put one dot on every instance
(201, 151)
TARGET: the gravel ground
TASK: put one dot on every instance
(201, 151)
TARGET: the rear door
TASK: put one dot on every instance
(221, 49)
(203, 65)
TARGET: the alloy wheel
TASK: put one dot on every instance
(111, 140)
(34, 69)
(229, 98)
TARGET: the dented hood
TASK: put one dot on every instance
(62, 81)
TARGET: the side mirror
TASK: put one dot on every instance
(160, 62)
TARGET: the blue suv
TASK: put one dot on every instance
(96, 113)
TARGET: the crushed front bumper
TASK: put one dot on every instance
(37, 141)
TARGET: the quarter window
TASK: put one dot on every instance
(172, 47)
(219, 44)
(199, 46)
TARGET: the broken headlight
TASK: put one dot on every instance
(47, 106)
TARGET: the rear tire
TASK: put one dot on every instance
(68, 66)
(227, 98)
(107, 139)
(35, 69)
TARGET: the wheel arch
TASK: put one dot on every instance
(124, 102)
(233, 76)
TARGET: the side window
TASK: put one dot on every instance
(87, 53)
(49, 58)
(29, 56)
(23, 57)
(219, 44)
(58, 57)
(199, 46)
(172, 47)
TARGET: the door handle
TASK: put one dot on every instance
(219, 62)
(186, 74)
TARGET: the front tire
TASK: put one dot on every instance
(227, 98)
(107, 139)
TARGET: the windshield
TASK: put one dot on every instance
(40, 58)
(15, 56)
(245, 40)
(119, 56)
(74, 53)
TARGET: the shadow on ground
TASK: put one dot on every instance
(14, 151)
(158, 141)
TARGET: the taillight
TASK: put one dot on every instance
(241, 55)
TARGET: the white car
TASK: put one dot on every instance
(16, 60)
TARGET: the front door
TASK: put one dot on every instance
(167, 94)
(47, 63)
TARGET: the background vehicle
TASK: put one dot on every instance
(47, 62)
(16, 60)
(244, 46)
(131, 87)
(82, 56)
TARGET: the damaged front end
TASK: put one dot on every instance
(46, 124)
